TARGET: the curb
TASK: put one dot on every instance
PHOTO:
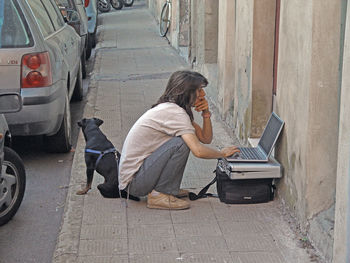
(67, 245)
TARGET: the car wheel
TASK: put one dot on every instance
(78, 88)
(89, 47)
(83, 64)
(94, 40)
(61, 142)
(12, 185)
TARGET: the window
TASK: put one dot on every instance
(64, 3)
(14, 31)
(54, 14)
(42, 17)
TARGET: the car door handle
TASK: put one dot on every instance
(65, 47)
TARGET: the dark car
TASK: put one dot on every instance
(12, 173)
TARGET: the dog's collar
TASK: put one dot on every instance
(101, 153)
(111, 150)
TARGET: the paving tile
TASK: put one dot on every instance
(258, 257)
(237, 212)
(223, 257)
(197, 229)
(146, 232)
(103, 247)
(97, 218)
(245, 243)
(172, 257)
(97, 232)
(152, 245)
(102, 259)
(200, 211)
(230, 228)
(201, 244)
(149, 218)
(66, 258)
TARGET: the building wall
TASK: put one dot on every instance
(307, 100)
(341, 252)
(242, 101)
(262, 64)
(226, 59)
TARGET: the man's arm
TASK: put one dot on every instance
(201, 151)
(205, 134)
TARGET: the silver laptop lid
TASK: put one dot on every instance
(271, 133)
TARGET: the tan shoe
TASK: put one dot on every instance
(182, 193)
(164, 201)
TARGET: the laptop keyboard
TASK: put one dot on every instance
(251, 154)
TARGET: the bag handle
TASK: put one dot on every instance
(202, 193)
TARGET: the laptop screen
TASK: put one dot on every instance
(270, 134)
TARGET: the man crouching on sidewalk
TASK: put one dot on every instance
(156, 149)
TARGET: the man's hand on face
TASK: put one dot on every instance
(201, 104)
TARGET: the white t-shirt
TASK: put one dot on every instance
(150, 131)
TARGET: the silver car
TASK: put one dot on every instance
(81, 27)
(40, 59)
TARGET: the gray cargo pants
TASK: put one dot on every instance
(162, 170)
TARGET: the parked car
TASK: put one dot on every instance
(40, 59)
(12, 172)
(81, 26)
(91, 11)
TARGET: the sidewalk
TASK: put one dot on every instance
(131, 69)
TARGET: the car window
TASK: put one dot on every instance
(14, 31)
(42, 17)
(65, 3)
(54, 14)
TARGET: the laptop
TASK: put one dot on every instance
(265, 145)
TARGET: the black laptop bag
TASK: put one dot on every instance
(238, 191)
(243, 191)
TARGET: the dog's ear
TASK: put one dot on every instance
(81, 122)
(98, 121)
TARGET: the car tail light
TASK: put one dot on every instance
(87, 2)
(36, 70)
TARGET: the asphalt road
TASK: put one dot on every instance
(31, 235)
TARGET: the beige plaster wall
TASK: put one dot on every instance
(204, 42)
(225, 60)
(341, 246)
(307, 99)
(211, 31)
(262, 65)
(242, 96)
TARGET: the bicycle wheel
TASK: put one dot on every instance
(104, 6)
(128, 3)
(164, 21)
(117, 4)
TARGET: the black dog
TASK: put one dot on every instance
(100, 156)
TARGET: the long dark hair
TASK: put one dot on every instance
(181, 89)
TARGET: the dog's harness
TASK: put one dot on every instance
(101, 153)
